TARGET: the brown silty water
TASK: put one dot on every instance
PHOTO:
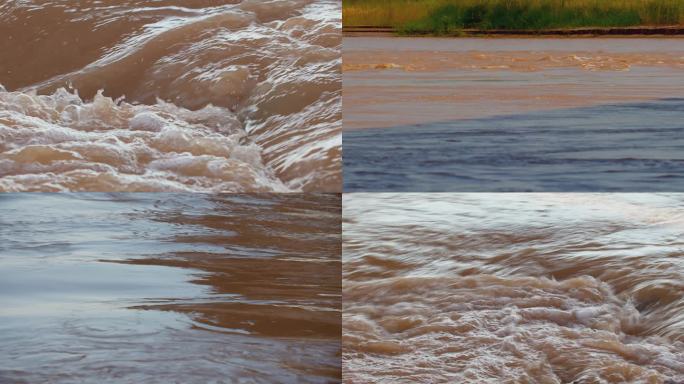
(513, 288)
(165, 288)
(170, 95)
(404, 81)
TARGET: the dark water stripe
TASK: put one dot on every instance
(628, 147)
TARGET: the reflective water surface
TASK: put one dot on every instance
(634, 147)
(160, 288)
(170, 95)
(513, 288)
(535, 114)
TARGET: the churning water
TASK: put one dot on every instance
(513, 288)
(170, 95)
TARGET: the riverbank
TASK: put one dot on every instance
(446, 17)
(645, 31)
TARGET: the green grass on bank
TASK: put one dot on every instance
(451, 16)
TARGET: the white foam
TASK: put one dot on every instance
(67, 138)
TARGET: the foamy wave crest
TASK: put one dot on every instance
(513, 288)
(59, 142)
(488, 329)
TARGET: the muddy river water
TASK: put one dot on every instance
(170, 95)
(459, 114)
(513, 288)
(406, 81)
(165, 288)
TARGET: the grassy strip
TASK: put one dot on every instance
(451, 16)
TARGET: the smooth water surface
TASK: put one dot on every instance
(626, 147)
(513, 114)
(159, 288)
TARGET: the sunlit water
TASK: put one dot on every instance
(196, 95)
(159, 288)
(519, 288)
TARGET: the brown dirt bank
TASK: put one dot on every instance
(661, 31)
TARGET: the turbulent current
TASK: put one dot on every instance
(513, 288)
(170, 95)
